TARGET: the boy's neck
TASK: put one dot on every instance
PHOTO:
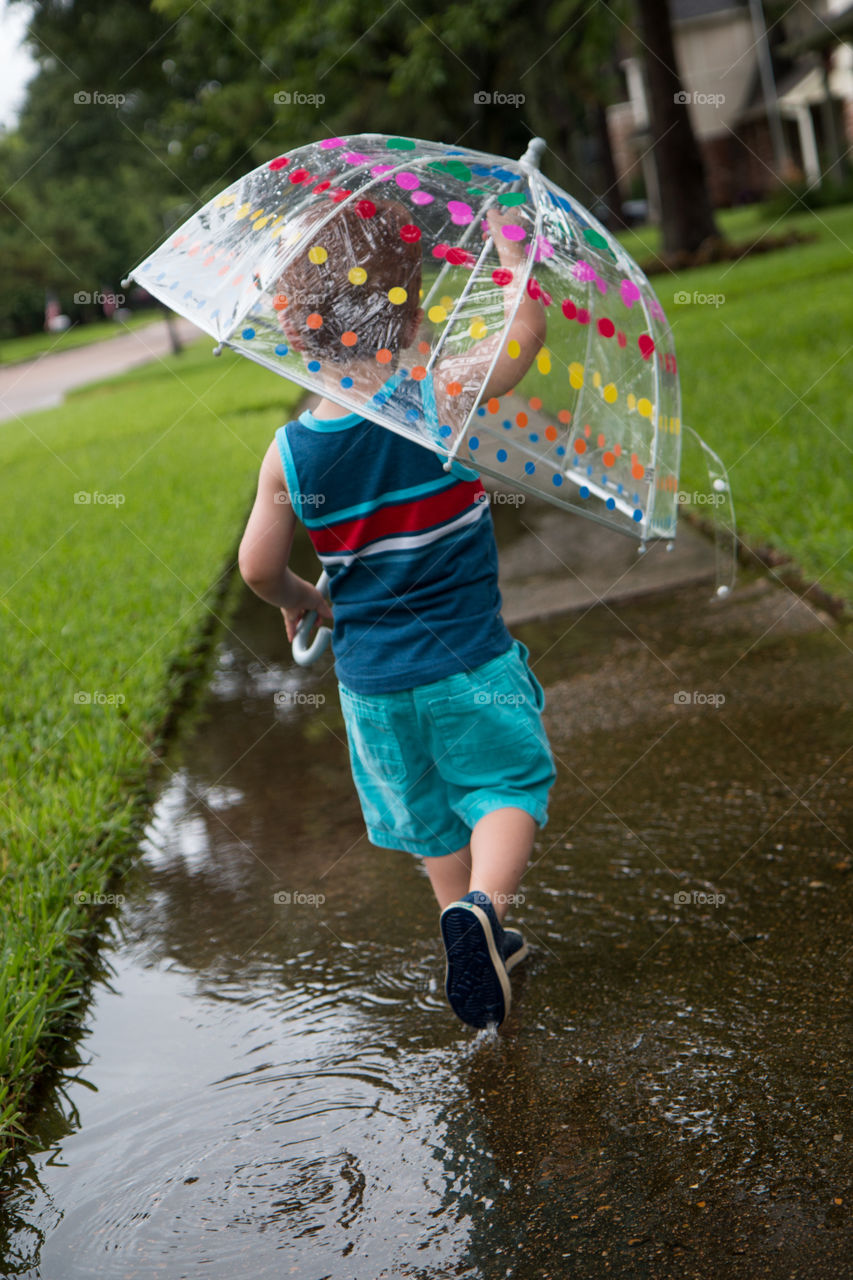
(327, 409)
(366, 381)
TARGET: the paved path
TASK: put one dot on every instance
(43, 383)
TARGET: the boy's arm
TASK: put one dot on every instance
(527, 330)
(265, 549)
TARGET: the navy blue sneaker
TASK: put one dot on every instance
(513, 948)
(477, 985)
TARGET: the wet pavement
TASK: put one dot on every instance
(44, 382)
(272, 1084)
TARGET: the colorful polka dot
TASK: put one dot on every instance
(365, 208)
(314, 321)
(357, 275)
(529, 468)
(513, 231)
(314, 366)
(410, 233)
(436, 314)
(281, 349)
(407, 181)
(557, 479)
(477, 328)
(610, 393)
(349, 339)
(384, 356)
(460, 212)
(419, 373)
(513, 349)
(397, 295)
(501, 455)
(422, 197)
(502, 276)
(317, 254)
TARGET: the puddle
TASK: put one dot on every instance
(272, 1084)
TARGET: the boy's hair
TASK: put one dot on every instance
(327, 301)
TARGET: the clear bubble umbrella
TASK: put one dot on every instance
(592, 424)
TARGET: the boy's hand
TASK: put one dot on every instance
(510, 252)
(307, 598)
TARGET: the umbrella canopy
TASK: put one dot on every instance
(592, 424)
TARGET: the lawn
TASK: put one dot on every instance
(123, 512)
(767, 379)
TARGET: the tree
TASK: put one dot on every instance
(687, 218)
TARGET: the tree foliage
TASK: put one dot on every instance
(141, 110)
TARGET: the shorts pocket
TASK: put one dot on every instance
(491, 733)
(372, 740)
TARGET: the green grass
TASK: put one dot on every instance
(16, 350)
(101, 610)
(767, 379)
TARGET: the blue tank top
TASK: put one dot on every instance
(409, 549)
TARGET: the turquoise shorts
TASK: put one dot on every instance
(429, 762)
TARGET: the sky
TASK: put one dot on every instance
(16, 65)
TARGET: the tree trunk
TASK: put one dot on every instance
(610, 193)
(687, 219)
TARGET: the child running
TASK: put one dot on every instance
(443, 714)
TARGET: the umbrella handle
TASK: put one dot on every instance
(303, 653)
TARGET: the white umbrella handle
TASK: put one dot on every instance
(303, 653)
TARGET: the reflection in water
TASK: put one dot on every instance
(276, 1086)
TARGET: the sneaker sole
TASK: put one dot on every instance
(476, 984)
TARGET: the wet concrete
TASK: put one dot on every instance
(44, 382)
(275, 1086)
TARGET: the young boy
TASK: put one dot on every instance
(443, 716)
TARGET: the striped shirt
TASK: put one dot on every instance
(409, 549)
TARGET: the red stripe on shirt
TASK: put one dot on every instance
(399, 519)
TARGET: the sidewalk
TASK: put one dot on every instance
(43, 383)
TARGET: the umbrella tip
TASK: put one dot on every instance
(533, 154)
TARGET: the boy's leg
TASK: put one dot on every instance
(501, 845)
(494, 861)
(450, 876)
